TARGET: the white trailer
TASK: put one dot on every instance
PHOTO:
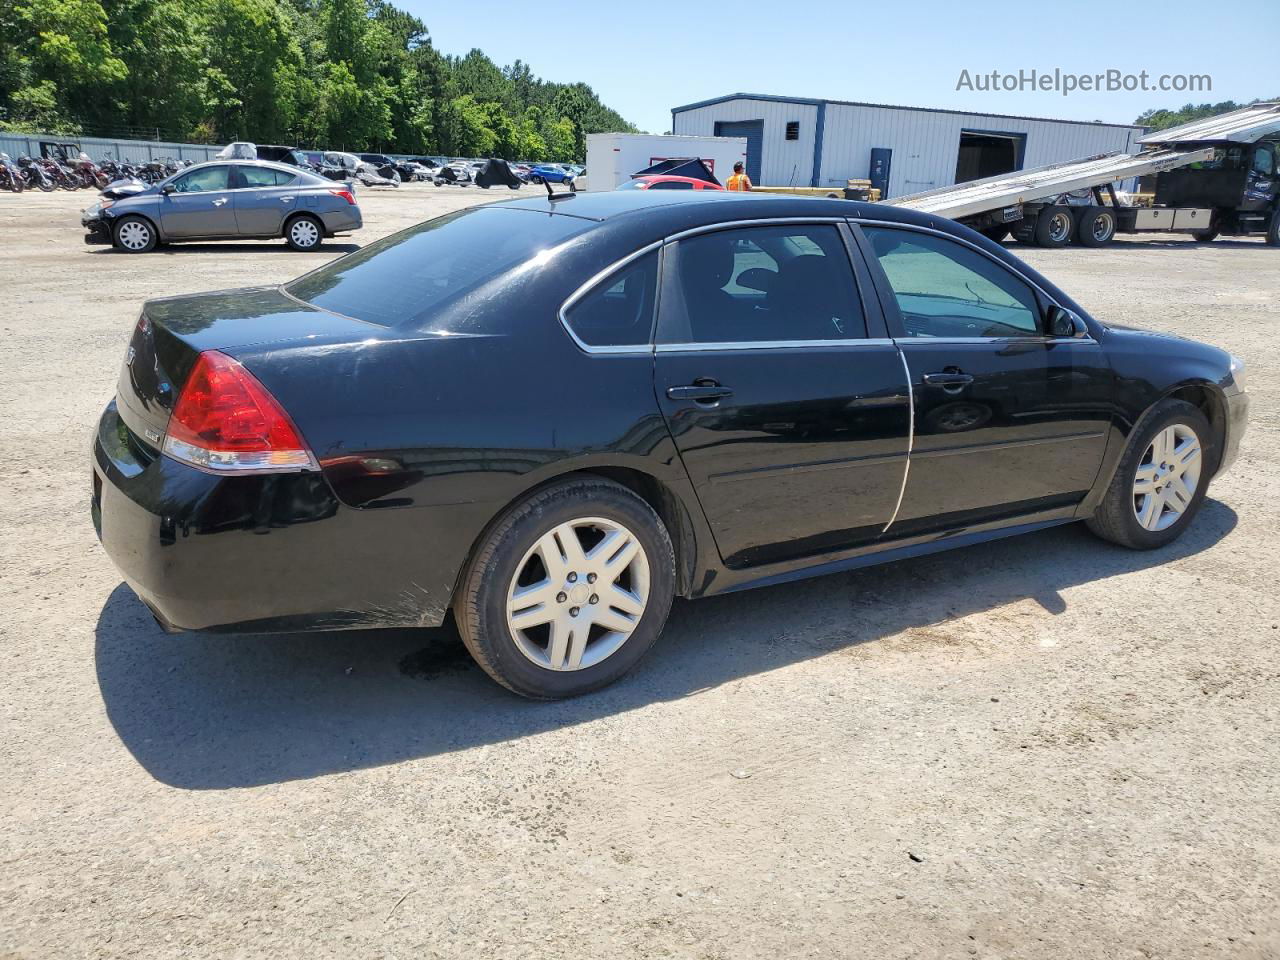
(1217, 176)
(613, 157)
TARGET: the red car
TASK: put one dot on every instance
(668, 182)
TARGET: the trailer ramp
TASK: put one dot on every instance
(1040, 183)
(1239, 126)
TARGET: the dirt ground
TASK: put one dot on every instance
(1042, 748)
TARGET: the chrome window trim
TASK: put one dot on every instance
(635, 349)
(907, 341)
(652, 348)
(911, 439)
(703, 347)
(755, 222)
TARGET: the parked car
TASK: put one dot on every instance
(665, 182)
(549, 173)
(492, 413)
(225, 200)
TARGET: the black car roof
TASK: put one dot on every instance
(701, 207)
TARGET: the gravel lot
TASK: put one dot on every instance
(1047, 747)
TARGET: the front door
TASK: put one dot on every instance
(791, 423)
(1008, 421)
(199, 204)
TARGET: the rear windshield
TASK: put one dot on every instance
(403, 277)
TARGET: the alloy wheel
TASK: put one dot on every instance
(1167, 477)
(578, 594)
(1103, 227)
(134, 235)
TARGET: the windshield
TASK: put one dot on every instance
(404, 277)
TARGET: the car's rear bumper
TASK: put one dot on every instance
(263, 553)
(342, 221)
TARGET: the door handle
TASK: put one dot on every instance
(948, 379)
(220, 201)
(700, 391)
(286, 199)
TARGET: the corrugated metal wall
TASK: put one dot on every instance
(925, 143)
(98, 148)
(786, 163)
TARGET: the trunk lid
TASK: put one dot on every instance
(172, 332)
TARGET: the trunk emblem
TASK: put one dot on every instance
(152, 435)
(129, 355)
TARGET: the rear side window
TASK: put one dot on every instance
(408, 275)
(671, 185)
(783, 283)
(618, 311)
(264, 177)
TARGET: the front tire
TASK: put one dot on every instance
(304, 233)
(567, 590)
(135, 235)
(1160, 481)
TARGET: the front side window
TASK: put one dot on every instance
(783, 283)
(1264, 161)
(202, 181)
(618, 311)
(945, 289)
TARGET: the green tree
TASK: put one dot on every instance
(254, 68)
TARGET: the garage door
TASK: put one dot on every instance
(753, 130)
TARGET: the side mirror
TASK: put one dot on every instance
(167, 189)
(1064, 323)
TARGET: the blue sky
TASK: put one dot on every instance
(643, 59)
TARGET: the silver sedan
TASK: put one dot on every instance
(224, 200)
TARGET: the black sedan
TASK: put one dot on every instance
(552, 415)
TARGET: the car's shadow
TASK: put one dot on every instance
(202, 711)
(257, 246)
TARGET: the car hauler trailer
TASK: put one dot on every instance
(1213, 177)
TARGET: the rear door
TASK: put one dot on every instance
(1008, 420)
(199, 205)
(791, 421)
(264, 197)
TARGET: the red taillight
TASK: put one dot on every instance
(346, 195)
(226, 422)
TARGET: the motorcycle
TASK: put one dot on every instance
(89, 171)
(35, 175)
(10, 176)
(62, 177)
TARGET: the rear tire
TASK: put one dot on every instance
(1161, 479)
(532, 649)
(1273, 231)
(304, 233)
(134, 235)
(1054, 226)
(1205, 236)
(1096, 226)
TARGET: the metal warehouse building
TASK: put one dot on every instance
(795, 141)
